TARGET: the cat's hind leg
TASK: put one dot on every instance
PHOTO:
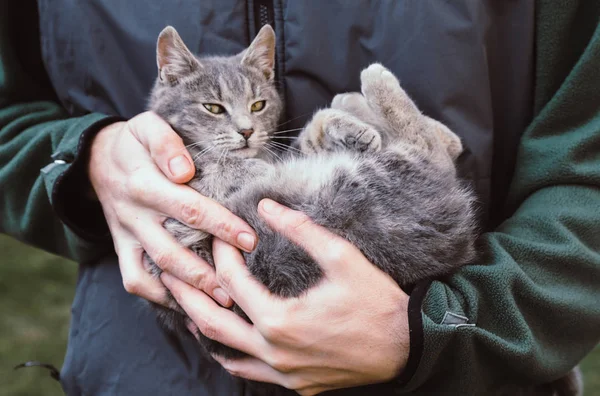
(385, 97)
(333, 129)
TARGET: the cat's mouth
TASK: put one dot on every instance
(245, 151)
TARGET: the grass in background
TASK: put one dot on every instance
(36, 290)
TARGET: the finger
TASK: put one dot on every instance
(175, 259)
(233, 276)
(192, 209)
(329, 250)
(136, 280)
(215, 322)
(164, 145)
(255, 370)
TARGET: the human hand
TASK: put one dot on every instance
(349, 330)
(134, 169)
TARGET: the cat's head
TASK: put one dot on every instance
(218, 104)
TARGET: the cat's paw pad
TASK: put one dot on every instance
(354, 137)
(366, 140)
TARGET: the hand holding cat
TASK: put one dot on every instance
(134, 169)
(350, 330)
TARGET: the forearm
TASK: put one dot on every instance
(530, 302)
(40, 149)
(40, 157)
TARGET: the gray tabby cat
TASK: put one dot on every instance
(375, 170)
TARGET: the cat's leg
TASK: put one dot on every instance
(448, 139)
(355, 104)
(333, 129)
(385, 96)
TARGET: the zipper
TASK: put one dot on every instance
(263, 14)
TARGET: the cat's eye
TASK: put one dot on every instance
(214, 108)
(258, 106)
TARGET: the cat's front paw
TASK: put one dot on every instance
(351, 134)
(366, 140)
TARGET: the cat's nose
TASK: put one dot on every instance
(246, 133)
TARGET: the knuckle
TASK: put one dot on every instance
(209, 328)
(282, 363)
(223, 230)
(192, 215)
(297, 221)
(297, 384)
(336, 252)
(137, 184)
(305, 389)
(132, 286)
(201, 280)
(273, 327)
(165, 144)
(232, 368)
(163, 258)
(224, 278)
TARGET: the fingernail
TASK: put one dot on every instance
(179, 166)
(271, 207)
(221, 296)
(246, 241)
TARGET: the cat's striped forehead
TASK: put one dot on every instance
(226, 83)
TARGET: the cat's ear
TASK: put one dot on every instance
(261, 52)
(173, 58)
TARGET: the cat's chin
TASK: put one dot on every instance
(245, 152)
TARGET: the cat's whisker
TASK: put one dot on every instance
(287, 130)
(273, 153)
(295, 118)
(221, 156)
(285, 147)
(193, 144)
(206, 149)
(203, 153)
(284, 137)
(285, 151)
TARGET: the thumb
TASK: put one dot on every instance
(164, 145)
(331, 251)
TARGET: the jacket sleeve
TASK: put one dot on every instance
(527, 311)
(42, 150)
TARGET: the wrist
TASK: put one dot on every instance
(399, 336)
(70, 191)
(100, 149)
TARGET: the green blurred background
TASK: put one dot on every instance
(36, 290)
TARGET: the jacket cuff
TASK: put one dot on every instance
(68, 184)
(415, 328)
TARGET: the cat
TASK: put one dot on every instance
(374, 170)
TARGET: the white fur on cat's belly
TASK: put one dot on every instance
(314, 173)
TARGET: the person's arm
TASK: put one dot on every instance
(63, 177)
(528, 310)
(40, 147)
